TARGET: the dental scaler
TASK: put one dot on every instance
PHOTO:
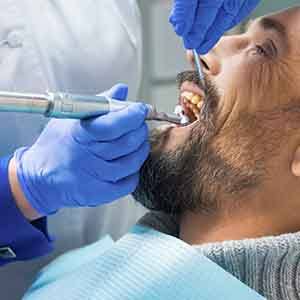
(72, 106)
(199, 68)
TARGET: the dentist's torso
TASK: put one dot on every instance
(75, 46)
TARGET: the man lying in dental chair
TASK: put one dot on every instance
(228, 185)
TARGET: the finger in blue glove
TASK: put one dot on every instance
(118, 92)
(211, 19)
(85, 163)
(229, 15)
(183, 16)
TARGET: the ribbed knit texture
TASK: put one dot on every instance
(269, 265)
(144, 265)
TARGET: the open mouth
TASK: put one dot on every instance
(191, 98)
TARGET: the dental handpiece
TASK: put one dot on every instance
(72, 106)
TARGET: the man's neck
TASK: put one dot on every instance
(201, 229)
(239, 223)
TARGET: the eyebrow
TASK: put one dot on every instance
(272, 24)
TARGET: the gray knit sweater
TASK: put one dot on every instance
(270, 265)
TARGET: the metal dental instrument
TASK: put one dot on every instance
(72, 106)
(199, 67)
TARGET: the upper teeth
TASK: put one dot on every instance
(193, 102)
(191, 97)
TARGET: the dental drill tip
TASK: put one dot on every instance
(178, 110)
(185, 120)
(154, 115)
(170, 118)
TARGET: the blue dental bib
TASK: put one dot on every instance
(144, 265)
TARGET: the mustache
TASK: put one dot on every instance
(191, 76)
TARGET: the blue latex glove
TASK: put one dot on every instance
(85, 163)
(201, 23)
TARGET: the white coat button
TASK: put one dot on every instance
(15, 39)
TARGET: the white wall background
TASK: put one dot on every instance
(164, 56)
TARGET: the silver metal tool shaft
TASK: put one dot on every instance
(22, 102)
(199, 68)
(72, 106)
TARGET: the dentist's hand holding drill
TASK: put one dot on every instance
(82, 163)
(96, 161)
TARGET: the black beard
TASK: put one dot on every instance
(168, 180)
(192, 177)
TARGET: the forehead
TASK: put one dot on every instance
(289, 18)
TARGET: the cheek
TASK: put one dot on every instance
(233, 86)
(234, 77)
(229, 74)
(247, 82)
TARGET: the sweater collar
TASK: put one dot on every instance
(270, 265)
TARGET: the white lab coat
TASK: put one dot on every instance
(80, 46)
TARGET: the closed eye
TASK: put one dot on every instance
(267, 49)
(260, 50)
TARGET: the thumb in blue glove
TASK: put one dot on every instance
(201, 23)
(85, 163)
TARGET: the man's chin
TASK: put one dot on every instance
(165, 178)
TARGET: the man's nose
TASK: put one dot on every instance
(210, 62)
(227, 47)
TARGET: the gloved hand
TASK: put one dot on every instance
(85, 163)
(201, 23)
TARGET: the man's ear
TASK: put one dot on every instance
(296, 163)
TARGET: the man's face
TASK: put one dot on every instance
(251, 110)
